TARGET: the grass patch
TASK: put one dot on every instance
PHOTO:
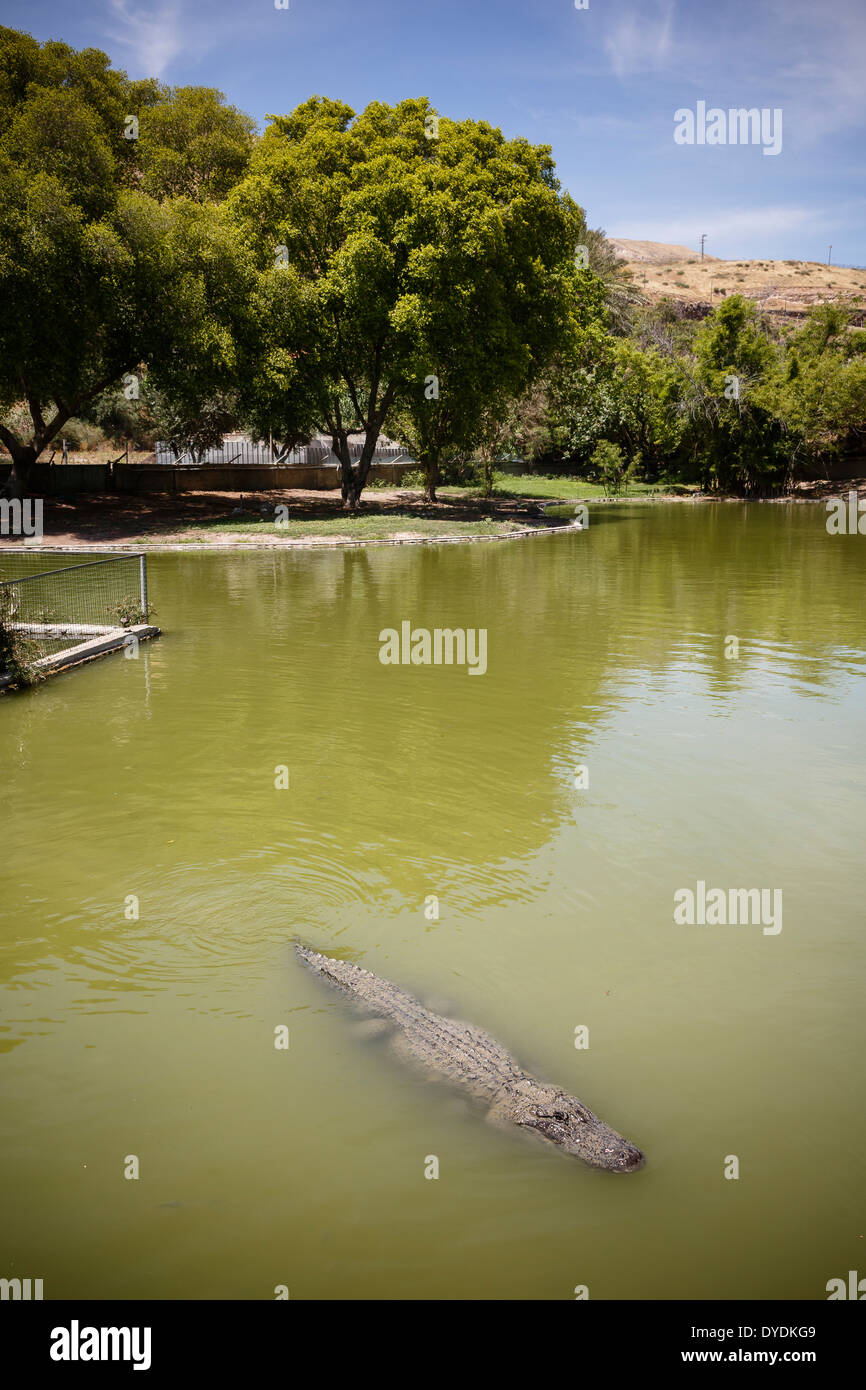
(377, 526)
(532, 485)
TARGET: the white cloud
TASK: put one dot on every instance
(640, 39)
(155, 38)
(805, 57)
(727, 225)
(822, 58)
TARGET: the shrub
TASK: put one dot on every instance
(608, 464)
(128, 611)
(17, 654)
(461, 471)
(82, 437)
(414, 478)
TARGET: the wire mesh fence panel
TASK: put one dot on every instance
(47, 610)
(33, 559)
(243, 451)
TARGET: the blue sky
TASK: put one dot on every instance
(600, 85)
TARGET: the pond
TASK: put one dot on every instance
(436, 829)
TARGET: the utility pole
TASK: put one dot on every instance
(703, 239)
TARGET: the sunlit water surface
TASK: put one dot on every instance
(305, 1167)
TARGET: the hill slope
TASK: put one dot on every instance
(661, 270)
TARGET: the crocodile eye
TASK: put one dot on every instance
(560, 1115)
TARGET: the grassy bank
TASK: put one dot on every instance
(114, 520)
(536, 485)
(360, 526)
(213, 518)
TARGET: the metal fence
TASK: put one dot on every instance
(50, 608)
(317, 454)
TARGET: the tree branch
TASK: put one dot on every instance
(349, 383)
(35, 414)
(8, 438)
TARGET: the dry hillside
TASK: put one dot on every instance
(663, 270)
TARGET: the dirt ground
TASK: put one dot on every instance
(822, 488)
(111, 519)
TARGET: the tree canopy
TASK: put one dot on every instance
(406, 247)
(97, 278)
(389, 270)
(191, 144)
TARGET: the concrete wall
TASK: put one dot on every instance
(60, 481)
(242, 477)
(67, 480)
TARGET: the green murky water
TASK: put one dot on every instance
(306, 1168)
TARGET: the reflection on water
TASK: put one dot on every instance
(149, 1029)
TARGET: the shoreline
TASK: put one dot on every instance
(302, 543)
(119, 525)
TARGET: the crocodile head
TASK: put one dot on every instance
(563, 1121)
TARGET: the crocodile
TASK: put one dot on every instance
(475, 1063)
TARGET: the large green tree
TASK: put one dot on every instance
(483, 335)
(738, 440)
(412, 248)
(819, 386)
(97, 279)
(191, 144)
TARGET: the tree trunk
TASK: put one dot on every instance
(350, 490)
(354, 479)
(23, 459)
(430, 465)
(488, 480)
(341, 449)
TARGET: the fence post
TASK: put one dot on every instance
(142, 576)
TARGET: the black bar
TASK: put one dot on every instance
(221, 1338)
